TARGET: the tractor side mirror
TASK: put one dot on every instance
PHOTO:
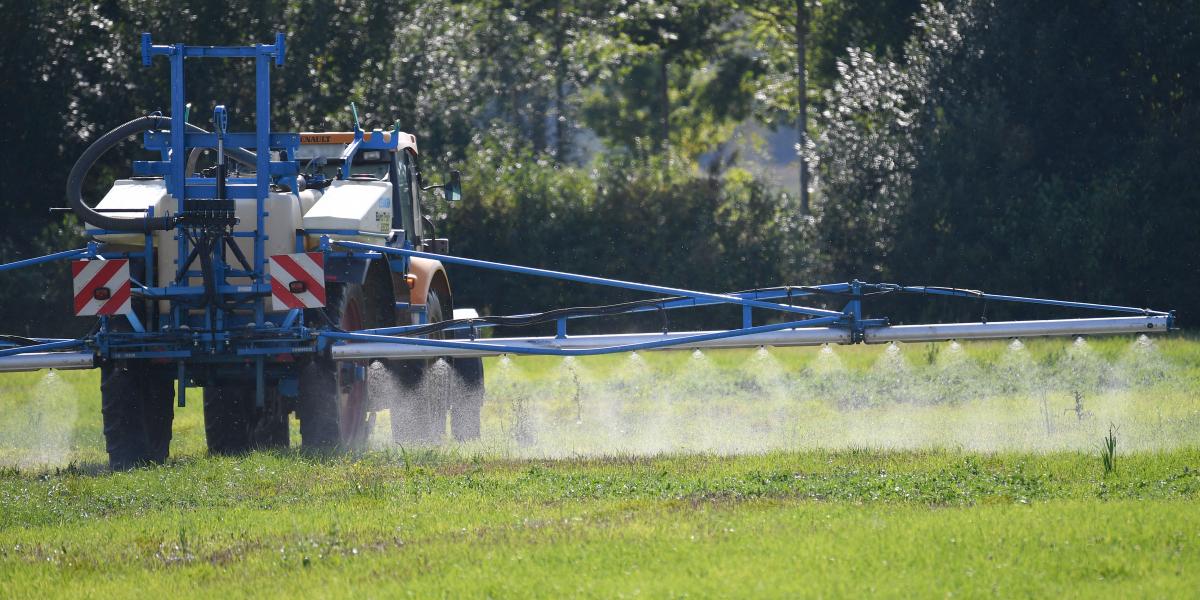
(453, 188)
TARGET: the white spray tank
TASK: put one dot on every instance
(350, 208)
(283, 219)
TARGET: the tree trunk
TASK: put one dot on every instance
(664, 85)
(802, 104)
(560, 92)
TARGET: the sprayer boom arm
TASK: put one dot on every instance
(802, 336)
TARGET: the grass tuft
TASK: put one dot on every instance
(1108, 450)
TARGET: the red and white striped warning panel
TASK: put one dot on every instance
(101, 287)
(297, 281)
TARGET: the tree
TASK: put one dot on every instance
(1051, 140)
(566, 32)
(650, 76)
(791, 35)
(1025, 148)
(775, 16)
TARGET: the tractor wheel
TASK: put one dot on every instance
(418, 408)
(333, 396)
(466, 399)
(233, 425)
(271, 428)
(136, 405)
(411, 411)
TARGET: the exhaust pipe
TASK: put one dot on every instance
(805, 336)
(35, 361)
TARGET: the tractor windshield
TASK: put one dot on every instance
(374, 164)
(325, 159)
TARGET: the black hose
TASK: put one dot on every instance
(580, 311)
(18, 340)
(545, 317)
(97, 149)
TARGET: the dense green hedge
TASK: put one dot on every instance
(659, 222)
(1029, 147)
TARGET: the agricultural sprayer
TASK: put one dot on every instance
(277, 277)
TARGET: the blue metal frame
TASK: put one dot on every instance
(850, 318)
(977, 295)
(240, 327)
(182, 186)
(65, 255)
(629, 285)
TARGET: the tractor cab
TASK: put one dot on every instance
(335, 159)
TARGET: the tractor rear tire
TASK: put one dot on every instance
(136, 405)
(320, 421)
(412, 410)
(233, 425)
(430, 389)
(333, 396)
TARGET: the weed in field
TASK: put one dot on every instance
(828, 361)
(1047, 419)
(1142, 364)
(1018, 373)
(522, 426)
(284, 525)
(1108, 450)
(572, 369)
(880, 471)
(931, 353)
(177, 552)
(1080, 412)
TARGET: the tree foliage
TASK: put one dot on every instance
(1041, 149)
(624, 218)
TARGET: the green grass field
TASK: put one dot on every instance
(884, 471)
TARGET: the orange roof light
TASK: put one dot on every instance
(345, 137)
(331, 137)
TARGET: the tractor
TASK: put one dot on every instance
(200, 273)
(299, 273)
